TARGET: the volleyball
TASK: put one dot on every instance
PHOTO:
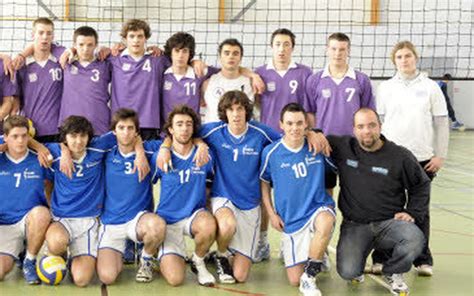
(51, 269)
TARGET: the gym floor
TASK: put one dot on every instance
(452, 244)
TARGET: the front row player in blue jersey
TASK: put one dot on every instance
(183, 202)
(77, 202)
(126, 205)
(23, 208)
(304, 211)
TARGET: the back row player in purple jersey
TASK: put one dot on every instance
(285, 83)
(8, 89)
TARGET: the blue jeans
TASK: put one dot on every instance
(357, 240)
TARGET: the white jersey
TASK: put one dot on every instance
(408, 108)
(216, 87)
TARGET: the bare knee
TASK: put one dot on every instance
(56, 241)
(175, 279)
(107, 276)
(5, 267)
(205, 228)
(241, 275)
(39, 217)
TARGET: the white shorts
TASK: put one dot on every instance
(82, 235)
(12, 238)
(247, 233)
(174, 242)
(296, 245)
(114, 236)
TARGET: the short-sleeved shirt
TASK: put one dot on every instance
(7, 86)
(183, 188)
(298, 182)
(41, 85)
(137, 85)
(335, 101)
(86, 93)
(21, 186)
(408, 108)
(83, 195)
(238, 161)
(282, 88)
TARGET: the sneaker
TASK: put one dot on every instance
(29, 272)
(326, 266)
(397, 284)
(358, 280)
(308, 285)
(21, 258)
(129, 254)
(145, 270)
(424, 270)
(458, 126)
(205, 278)
(224, 270)
(263, 251)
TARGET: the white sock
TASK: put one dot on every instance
(30, 256)
(197, 259)
(145, 255)
(225, 254)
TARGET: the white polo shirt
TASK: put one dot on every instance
(408, 108)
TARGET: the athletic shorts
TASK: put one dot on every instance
(295, 245)
(12, 238)
(114, 236)
(247, 232)
(82, 235)
(174, 242)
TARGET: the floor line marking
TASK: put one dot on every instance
(453, 232)
(236, 291)
(453, 212)
(103, 290)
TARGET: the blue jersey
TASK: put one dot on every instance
(83, 195)
(298, 183)
(183, 189)
(21, 186)
(238, 161)
(125, 196)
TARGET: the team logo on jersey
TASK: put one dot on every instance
(92, 164)
(311, 160)
(284, 165)
(271, 86)
(74, 70)
(249, 151)
(326, 92)
(4, 173)
(380, 170)
(32, 77)
(197, 170)
(167, 85)
(218, 92)
(352, 163)
(30, 175)
(115, 160)
(226, 146)
(126, 66)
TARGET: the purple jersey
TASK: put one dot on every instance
(335, 103)
(136, 85)
(41, 89)
(182, 90)
(86, 93)
(7, 87)
(282, 88)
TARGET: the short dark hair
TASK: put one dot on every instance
(124, 114)
(283, 31)
(15, 121)
(234, 97)
(447, 76)
(75, 124)
(366, 110)
(43, 21)
(135, 25)
(183, 110)
(292, 107)
(86, 31)
(181, 40)
(341, 37)
(231, 42)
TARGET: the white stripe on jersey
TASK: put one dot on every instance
(266, 161)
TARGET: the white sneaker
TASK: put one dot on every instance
(424, 270)
(358, 280)
(326, 264)
(397, 284)
(145, 270)
(198, 266)
(308, 286)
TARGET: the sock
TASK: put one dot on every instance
(30, 256)
(263, 236)
(313, 267)
(197, 259)
(225, 254)
(145, 255)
